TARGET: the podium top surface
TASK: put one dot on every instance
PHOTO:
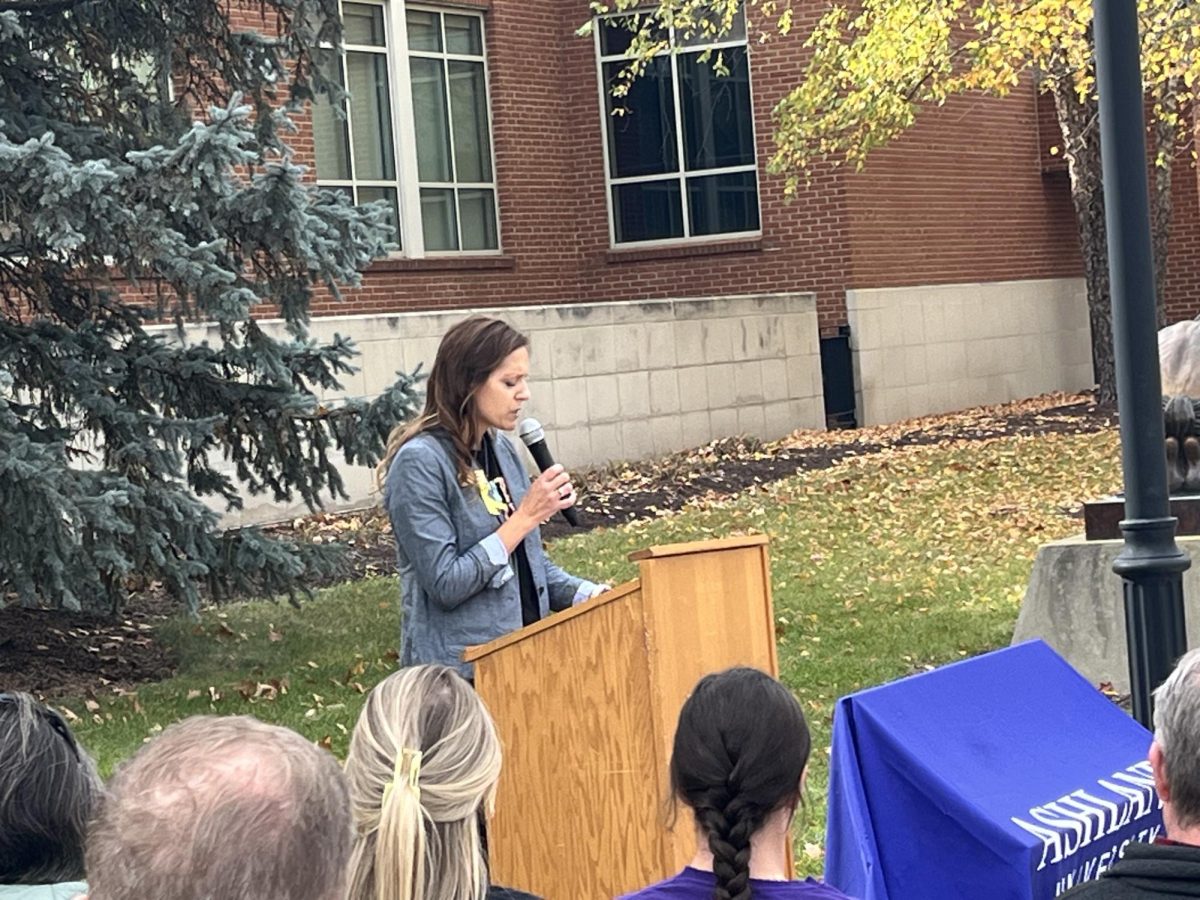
(731, 543)
(551, 621)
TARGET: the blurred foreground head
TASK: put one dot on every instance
(423, 766)
(1175, 753)
(223, 807)
(738, 761)
(48, 791)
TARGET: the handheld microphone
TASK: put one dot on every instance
(534, 437)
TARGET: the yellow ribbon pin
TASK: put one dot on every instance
(494, 504)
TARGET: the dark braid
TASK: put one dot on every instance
(729, 828)
(740, 750)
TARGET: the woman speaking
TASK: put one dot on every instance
(465, 515)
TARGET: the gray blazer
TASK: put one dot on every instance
(452, 594)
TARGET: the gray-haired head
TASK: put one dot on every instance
(48, 792)
(1177, 732)
(225, 807)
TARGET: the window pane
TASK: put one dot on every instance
(648, 211)
(642, 140)
(431, 121)
(720, 204)
(468, 105)
(370, 194)
(424, 30)
(718, 128)
(347, 192)
(370, 116)
(616, 34)
(438, 222)
(463, 35)
(330, 138)
(736, 33)
(362, 24)
(478, 213)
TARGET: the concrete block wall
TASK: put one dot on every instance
(931, 349)
(611, 381)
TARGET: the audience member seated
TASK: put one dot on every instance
(1170, 867)
(223, 808)
(738, 762)
(423, 765)
(48, 792)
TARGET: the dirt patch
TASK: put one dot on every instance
(622, 493)
(59, 654)
(51, 653)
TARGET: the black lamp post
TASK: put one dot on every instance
(1151, 564)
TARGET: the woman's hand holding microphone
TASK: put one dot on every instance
(548, 494)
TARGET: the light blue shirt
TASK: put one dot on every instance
(66, 890)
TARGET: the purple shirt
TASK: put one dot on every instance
(695, 884)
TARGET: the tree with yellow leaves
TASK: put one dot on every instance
(874, 66)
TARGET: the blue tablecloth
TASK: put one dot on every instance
(1003, 776)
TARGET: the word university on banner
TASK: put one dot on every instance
(1007, 777)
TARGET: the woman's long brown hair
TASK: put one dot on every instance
(468, 354)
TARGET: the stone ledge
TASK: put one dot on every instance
(684, 251)
(1075, 603)
(443, 263)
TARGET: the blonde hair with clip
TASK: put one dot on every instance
(424, 760)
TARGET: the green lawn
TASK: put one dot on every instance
(881, 566)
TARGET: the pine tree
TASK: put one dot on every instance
(145, 178)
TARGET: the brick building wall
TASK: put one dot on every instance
(1182, 289)
(962, 198)
(547, 135)
(804, 244)
(953, 256)
(969, 195)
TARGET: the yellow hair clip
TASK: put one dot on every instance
(407, 772)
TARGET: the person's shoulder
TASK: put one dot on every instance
(1100, 889)
(67, 890)
(811, 889)
(495, 892)
(506, 444)
(677, 887)
(421, 443)
(424, 449)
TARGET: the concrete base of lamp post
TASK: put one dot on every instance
(1075, 603)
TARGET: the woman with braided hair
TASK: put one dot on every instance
(423, 765)
(738, 762)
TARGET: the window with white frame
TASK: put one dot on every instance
(416, 129)
(679, 146)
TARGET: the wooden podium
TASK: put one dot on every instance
(586, 703)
